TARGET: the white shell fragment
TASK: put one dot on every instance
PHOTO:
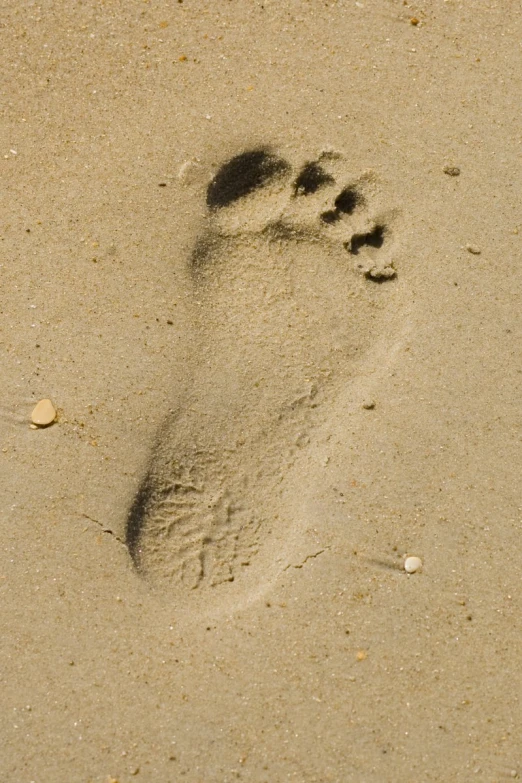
(412, 564)
(43, 414)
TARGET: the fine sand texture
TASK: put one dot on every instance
(265, 260)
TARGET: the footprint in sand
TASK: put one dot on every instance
(293, 283)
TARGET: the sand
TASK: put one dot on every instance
(264, 258)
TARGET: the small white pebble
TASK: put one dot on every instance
(412, 564)
(43, 414)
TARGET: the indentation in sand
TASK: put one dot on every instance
(282, 316)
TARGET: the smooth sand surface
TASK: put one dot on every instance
(273, 382)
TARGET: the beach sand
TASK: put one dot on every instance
(265, 260)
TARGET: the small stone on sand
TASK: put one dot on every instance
(369, 405)
(412, 564)
(43, 414)
(452, 171)
(473, 249)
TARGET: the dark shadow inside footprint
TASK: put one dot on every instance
(149, 493)
(136, 515)
(311, 177)
(374, 238)
(347, 200)
(242, 175)
(202, 251)
(345, 203)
